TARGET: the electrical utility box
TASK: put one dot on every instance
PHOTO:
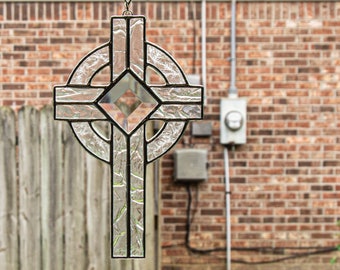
(233, 118)
(191, 165)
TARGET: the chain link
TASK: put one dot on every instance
(127, 10)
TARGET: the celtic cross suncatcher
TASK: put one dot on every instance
(127, 102)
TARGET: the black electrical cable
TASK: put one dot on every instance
(294, 256)
(271, 250)
(188, 228)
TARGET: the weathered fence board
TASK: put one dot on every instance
(98, 214)
(9, 248)
(74, 196)
(55, 199)
(51, 191)
(29, 188)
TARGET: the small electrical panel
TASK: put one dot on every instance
(191, 165)
(233, 121)
(201, 129)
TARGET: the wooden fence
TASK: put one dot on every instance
(54, 199)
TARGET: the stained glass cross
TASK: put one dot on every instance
(127, 102)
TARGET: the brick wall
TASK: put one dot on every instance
(285, 181)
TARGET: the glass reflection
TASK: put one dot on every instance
(128, 102)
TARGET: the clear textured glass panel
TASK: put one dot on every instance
(128, 103)
(184, 94)
(137, 193)
(102, 128)
(77, 94)
(78, 112)
(164, 63)
(91, 141)
(134, 119)
(89, 66)
(174, 111)
(118, 47)
(119, 189)
(137, 46)
(102, 77)
(165, 140)
(153, 77)
(151, 127)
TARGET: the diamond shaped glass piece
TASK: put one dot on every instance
(128, 102)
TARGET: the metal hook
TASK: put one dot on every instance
(127, 10)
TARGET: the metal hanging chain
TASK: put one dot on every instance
(127, 10)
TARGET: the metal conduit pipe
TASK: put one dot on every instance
(232, 93)
(204, 49)
(232, 89)
(227, 203)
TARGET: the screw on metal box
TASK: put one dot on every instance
(191, 165)
(126, 103)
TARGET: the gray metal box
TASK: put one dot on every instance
(199, 129)
(191, 165)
